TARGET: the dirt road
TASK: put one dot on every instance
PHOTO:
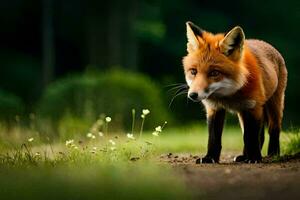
(228, 180)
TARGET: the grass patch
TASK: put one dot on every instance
(123, 181)
(292, 145)
(108, 165)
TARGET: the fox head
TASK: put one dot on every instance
(213, 67)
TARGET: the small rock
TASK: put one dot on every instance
(169, 155)
(134, 158)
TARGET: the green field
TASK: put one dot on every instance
(111, 166)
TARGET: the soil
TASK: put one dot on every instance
(267, 180)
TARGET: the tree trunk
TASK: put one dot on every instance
(111, 40)
(48, 42)
(96, 33)
(114, 33)
(130, 48)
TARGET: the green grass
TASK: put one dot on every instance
(292, 144)
(36, 170)
(97, 169)
(193, 139)
(123, 181)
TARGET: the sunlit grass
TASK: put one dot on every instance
(291, 143)
(103, 164)
(115, 147)
(98, 164)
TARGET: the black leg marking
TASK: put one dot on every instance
(262, 136)
(252, 130)
(274, 146)
(215, 128)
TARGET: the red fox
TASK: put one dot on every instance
(247, 77)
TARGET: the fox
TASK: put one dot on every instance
(248, 77)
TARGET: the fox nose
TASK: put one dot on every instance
(193, 96)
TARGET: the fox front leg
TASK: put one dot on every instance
(252, 125)
(215, 120)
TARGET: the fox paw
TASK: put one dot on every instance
(206, 159)
(253, 161)
(240, 158)
(244, 159)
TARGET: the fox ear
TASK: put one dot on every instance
(192, 31)
(233, 42)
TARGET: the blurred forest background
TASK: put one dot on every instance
(72, 60)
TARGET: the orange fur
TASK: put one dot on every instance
(228, 72)
(209, 55)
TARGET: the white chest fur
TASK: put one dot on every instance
(230, 104)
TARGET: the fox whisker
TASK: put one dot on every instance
(174, 84)
(177, 93)
(180, 87)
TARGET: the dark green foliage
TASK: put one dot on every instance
(20, 75)
(114, 93)
(10, 106)
(146, 36)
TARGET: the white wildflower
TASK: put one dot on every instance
(158, 129)
(89, 135)
(100, 134)
(30, 139)
(146, 112)
(107, 119)
(130, 136)
(112, 142)
(69, 142)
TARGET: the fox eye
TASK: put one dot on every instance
(214, 73)
(193, 72)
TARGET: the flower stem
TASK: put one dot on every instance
(106, 128)
(142, 127)
(162, 127)
(133, 121)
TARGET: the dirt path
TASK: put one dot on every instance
(230, 181)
